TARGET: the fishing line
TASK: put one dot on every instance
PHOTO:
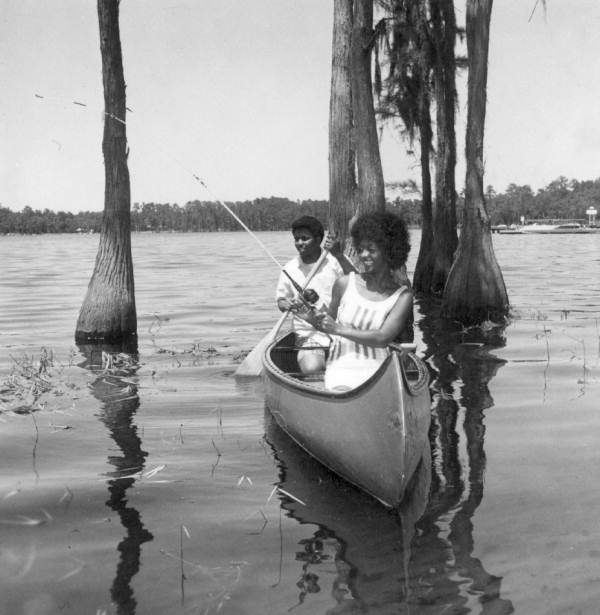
(170, 156)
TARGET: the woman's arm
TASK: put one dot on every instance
(394, 323)
(337, 292)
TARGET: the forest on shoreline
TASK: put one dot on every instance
(561, 198)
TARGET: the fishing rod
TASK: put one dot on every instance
(307, 296)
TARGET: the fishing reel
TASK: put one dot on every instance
(310, 296)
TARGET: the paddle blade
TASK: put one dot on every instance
(252, 366)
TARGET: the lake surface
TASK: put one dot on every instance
(148, 487)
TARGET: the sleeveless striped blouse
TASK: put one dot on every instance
(350, 363)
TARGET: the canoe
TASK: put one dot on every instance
(372, 436)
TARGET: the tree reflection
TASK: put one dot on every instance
(114, 366)
(445, 577)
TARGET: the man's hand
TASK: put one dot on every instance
(289, 305)
(332, 244)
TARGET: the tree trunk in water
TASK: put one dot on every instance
(475, 290)
(108, 312)
(342, 178)
(445, 235)
(424, 267)
(371, 192)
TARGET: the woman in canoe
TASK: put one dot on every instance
(368, 310)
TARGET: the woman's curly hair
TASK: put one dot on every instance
(388, 231)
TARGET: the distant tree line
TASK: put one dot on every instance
(264, 214)
(561, 198)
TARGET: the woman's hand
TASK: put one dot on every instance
(326, 323)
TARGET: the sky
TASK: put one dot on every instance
(237, 92)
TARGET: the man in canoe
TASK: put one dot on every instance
(308, 233)
(368, 310)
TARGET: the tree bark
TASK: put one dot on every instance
(108, 312)
(342, 160)
(423, 275)
(444, 76)
(475, 289)
(371, 192)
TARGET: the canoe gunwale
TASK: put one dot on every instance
(412, 387)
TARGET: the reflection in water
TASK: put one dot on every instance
(360, 550)
(119, 402)
(444, 575)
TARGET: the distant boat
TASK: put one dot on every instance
(557, 228)
(546, 227)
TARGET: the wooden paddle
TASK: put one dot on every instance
(252, 363)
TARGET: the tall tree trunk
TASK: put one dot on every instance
(475, 289)
(423, 275)
(108, 311)
(342, 160)
(424, 267)
(371, 192)
(444, 75)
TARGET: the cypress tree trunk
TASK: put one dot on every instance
(108, 311)
(371, 192)
(342, 177)
(424, 267)
(475, 290)
(445, 235)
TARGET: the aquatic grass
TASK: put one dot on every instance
(219, 412)
(545, 332)
(118, 363)
(195, 349)
(225, 578)
(285, 493)
(264, 525)
(586, 370)
(66, 498)
(214, 465)
(139, 475)
(34, 382)
(26, 521)
(516, 314)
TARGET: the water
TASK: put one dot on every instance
(150, 489)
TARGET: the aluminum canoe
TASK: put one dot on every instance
(372, 436)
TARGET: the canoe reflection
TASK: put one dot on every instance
(364, 545)
(119, 403)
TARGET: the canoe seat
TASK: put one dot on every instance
(286, 358)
